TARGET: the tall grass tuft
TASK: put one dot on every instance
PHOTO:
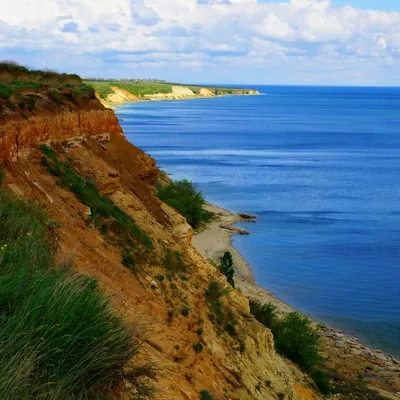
(59, 337)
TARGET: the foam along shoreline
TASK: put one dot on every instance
(342, 352)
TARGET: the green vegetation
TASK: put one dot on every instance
(59, 338)
(142, 87)
(296, 339)
(103, 210)
(183, 196)
(137, 88)
(206, 395)
(128, 259)
(198, 347)
(264, 313)
(19, 87)
(215, 291)
(174, 263)
(226, 267)
(185, 310)
(219, 313)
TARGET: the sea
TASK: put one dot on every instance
(320, 168)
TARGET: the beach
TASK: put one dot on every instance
(381, 372)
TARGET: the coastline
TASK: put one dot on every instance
(121, 96)
(342, 352)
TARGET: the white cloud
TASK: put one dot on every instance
(211, 33)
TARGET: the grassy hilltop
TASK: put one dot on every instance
(141, 88)
(24, 91)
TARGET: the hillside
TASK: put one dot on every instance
(105, 222)
(116, 92)
(102, 294)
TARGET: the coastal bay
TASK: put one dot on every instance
(342, 352)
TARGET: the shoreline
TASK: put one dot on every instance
(126, 100)
(342, 352)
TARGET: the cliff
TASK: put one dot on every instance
(174, 308)
(117, 92)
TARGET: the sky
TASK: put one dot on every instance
(302, 42)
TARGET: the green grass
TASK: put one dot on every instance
(141, 88)
(206, 395)
(103, 210)
(18, 84)
(220, 313)
(59, 338)
(11, 72)
(183, 196)
(137, 88)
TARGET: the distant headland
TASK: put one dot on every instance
(114, 91)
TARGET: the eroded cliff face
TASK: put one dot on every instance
(244, 366)
(19, 135)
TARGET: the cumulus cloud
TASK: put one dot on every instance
(204, 33)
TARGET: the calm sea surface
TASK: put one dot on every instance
(321, 169)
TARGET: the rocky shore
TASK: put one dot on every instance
(343, 353)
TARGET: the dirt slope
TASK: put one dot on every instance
(239, 367)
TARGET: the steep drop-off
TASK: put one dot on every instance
(172, 306)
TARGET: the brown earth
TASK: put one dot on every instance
(92, 141)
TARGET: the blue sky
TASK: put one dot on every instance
(307, 42)
(385, 5)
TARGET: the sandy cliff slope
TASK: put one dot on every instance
(243, 366)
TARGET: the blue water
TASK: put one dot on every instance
(321, 169)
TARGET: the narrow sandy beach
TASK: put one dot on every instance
(213, 241)
(341, 352)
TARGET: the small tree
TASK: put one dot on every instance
(226, 267)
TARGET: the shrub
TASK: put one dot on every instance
(322, 381)
(226, 267)
(220, 314)
(198, 347)
(264, 313)
(183, 196)
(206, 395)
(59, 338)
(173, 262)
(128, 259)
(297, 340)
(215, 291)
(230, 328)
(242, 347)
(56, 96)
(160, 277)
(185, 311)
